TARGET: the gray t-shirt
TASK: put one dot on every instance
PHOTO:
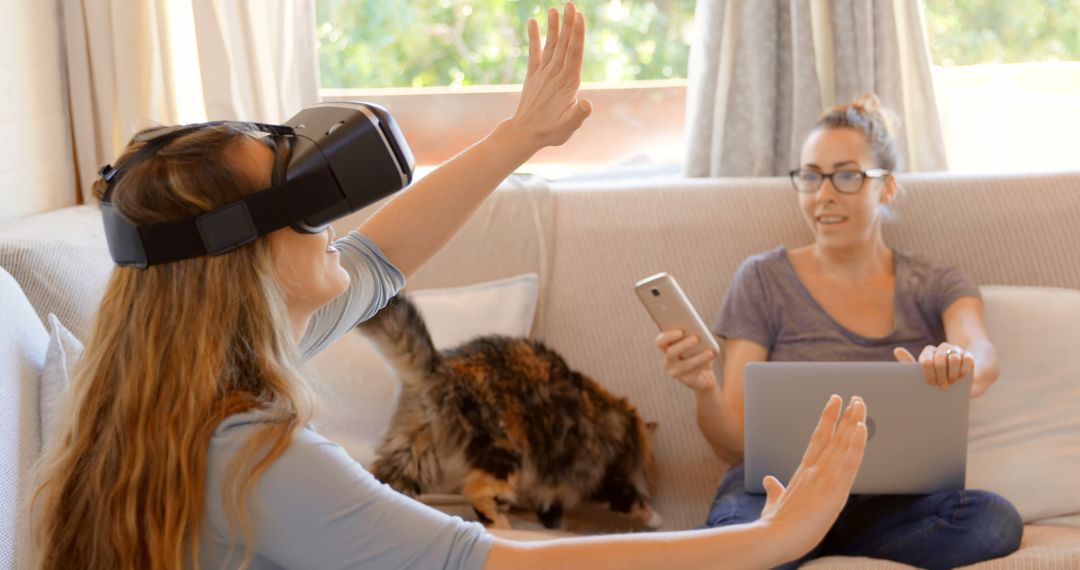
(315, 507)
(768, 304)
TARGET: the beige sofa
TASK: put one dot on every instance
(590, 240)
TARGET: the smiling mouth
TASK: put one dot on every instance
(830, 220)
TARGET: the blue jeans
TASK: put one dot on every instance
(939, 530)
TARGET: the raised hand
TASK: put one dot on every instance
(942, 365)
(818, 491)
(549, 110)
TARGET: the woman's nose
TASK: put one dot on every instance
(827, 191)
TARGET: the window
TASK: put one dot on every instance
(1007, 82)
(449, 70)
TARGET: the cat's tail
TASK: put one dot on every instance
(401, 335)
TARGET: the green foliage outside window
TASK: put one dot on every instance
(423, 43)
(968, 32)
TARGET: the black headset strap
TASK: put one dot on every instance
(233, 224)
(157, 139)
(221, 229)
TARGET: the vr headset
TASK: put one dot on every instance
(331, 160)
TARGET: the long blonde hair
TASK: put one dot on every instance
(176, 348)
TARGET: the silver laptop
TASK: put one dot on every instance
(917, 433)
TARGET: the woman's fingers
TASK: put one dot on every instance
(833, 456)
(967, 365)
(571, 121)
(565, 35)
(926, 362)
(850, 427)
(823, 432)
(941, 366)
(666, 338)
(944, 364)
(902, 354)
(684, 367)
(575, 53)
(774, 489)
(552, 36)
(582, 112)
(676, 345)
(677, 351)
(849, 461)
(954, 362)
(534, 48)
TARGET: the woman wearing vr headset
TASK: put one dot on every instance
(185, 441)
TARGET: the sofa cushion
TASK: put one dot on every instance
(61, 261)
(23, 342)
(1024, 438)
(358, 389)
(1043, 547)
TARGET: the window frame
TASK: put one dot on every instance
(627, 118)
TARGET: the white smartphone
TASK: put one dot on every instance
(670, 309)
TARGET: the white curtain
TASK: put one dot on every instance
(36, 163)
(763, 71)
(132, 64)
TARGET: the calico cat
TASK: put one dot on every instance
(505, 422)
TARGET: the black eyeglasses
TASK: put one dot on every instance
(808, 181)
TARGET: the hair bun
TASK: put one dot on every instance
(869, 107)
(867, 115)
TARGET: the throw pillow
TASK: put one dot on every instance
(357, 389)
(23, 342)
(1024, 435)
(60, 357)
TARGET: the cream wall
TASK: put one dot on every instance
(36, 161)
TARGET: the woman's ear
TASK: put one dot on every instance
(888, 194)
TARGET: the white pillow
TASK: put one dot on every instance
(459, 314)
(357, 389)
(1024, 434)
(60, 357)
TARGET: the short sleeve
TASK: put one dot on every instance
(373, 281)
(316, 507)
(744, 313)
(948, 284)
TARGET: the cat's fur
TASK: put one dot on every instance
(505, 422)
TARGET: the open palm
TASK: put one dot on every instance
(549, 108)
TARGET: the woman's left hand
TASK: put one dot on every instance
(549, 110)
(942, 365)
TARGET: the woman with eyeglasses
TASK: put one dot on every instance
(848, 296)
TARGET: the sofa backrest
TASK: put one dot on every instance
(61, 261)
(1020, 230)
